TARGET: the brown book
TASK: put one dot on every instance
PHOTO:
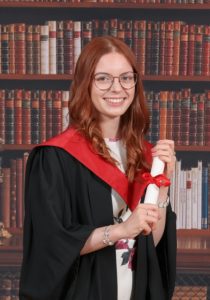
(163, 113)
(176, 48)
(56, 112)
(193, 120)
(9, 117)
(198, 49)
(113, 25)
(121, 30)
(162, 48)
(42, 116)
(2, 116)
(139, 44)
(183, 50)
(60, 47)
(13, 188)
(207, 119)
(128, 33)
(191, 50)
(35, 117)
(49, 114)
(206, 51)
(68, 47)
(148, 47)
(169, 45)
(20, 48)
(26, 117)
(185, 116)
(6, 197)
(36, 46)
(29, 49)
(19, 192)
(5, 49)
(86, 32)
(200, 119)
(169, 120)
(176, 117)
(18, 96)
(11, 31)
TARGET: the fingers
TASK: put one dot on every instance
(164, 149)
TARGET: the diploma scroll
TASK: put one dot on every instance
(152, 191)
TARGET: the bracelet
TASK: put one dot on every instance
(106, 239)
(164, 204)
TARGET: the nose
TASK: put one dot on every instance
(116, 86)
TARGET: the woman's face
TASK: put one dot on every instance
(112, 100)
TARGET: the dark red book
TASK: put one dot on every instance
(198, 49)
(49, 114)
(68, 47)
(193, 120)
(11, 31)
(5, 49)
(6, 197)
(2, 116)
(20, 48)
(207, 119)
(177, 117)
(36, 46)
(148, 47)
(185, 116)
(191, 50)
(206, 51)
(35, 117)
(169, 45)
(42, 116)
(60, 46)
(200, 119)
(169, 120)
(176, 48)
(183, 50)
(26, 117)
(29, 49)
(56, 112)
(9, 117)
(18, 96)
(162, 48)
(13, 188)
(19, 192)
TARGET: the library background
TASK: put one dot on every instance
(39, 44)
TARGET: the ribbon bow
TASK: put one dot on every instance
(159, 180)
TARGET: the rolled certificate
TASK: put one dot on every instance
(152, 191)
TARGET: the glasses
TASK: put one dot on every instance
(104, 81)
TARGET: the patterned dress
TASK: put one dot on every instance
(125, 248)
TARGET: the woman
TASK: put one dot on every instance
(86, 235)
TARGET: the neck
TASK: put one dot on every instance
(110, 128)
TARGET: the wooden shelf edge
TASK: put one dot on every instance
(144, 78)
(14, 147)
(90, 5)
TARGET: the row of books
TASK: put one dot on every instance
(162, 48)
(12, 180)
(32, 116)
(9, 286)
(179, 115)
(190, 196)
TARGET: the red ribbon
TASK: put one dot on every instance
(159, 180)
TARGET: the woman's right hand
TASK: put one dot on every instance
(143, 220)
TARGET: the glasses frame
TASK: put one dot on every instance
(113, 78)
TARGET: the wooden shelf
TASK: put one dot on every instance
(35, 77)
(91, 5)
(7, 147)
(70, 77)
(193, 252)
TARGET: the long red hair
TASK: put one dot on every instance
(133, 124)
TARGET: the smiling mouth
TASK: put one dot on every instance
(114, 100)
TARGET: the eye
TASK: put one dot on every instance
(127, 77)
(102, 78)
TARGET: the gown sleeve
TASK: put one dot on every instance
(52, 237)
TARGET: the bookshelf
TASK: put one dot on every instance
(193, 245)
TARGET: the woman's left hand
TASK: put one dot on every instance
(164, 149)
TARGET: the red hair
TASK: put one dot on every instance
(133, 124)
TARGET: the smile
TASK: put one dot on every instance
(114, 100)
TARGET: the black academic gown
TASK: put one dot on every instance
(64, 202)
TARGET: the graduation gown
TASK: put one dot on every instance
(67, 196)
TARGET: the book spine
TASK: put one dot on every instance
(11, 31)
(191, 50)
(2, 116)
(20, 48)
(52, 47)
(5, 49)
(42, 116)
(13, 188)
(60, 47)
(29, 50)
(9, 117)
(183, 66)
(26, 117)
(36, 46)
(68, 47)
(35, 117)
(18, 96)
(19, 192)
(44, 44)
(49, 114)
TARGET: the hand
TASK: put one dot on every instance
(164, 149)
(142, 220)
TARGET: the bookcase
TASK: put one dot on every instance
(193, 244)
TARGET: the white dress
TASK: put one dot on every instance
(124, 248)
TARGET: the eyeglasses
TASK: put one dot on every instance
(104, 81)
